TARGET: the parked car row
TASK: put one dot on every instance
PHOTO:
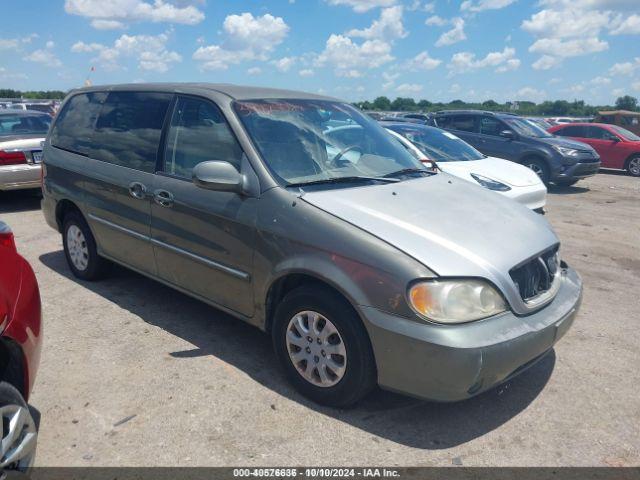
(300, 215)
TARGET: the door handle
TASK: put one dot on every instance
(137, 190)
(163, 198)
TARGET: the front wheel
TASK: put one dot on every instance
(540, 167)
(633, 166)
(323, 347)
(19, 433)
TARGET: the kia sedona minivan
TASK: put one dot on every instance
(364, 267)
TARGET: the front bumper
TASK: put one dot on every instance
(578, 171)
(455, 362)
(16, 177)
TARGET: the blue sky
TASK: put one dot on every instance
(354, 49)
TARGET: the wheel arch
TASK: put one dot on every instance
(629, 158)
(13, 366)
(63, 207)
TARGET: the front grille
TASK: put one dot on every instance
(537, 276)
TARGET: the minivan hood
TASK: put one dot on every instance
(451, 226)
(509, 173)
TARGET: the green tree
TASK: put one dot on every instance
(382, 103)
(627, 103)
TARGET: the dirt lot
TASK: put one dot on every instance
(134, 373)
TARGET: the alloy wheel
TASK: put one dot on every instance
(537, 169)
(19, 438)
(634, 166)
(77, 247)
(316, 349)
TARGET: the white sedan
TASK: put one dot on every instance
(456, 157)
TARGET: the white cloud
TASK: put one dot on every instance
(568, 48)
(481, 5)
(627, 26)
(14, 43)
(388, 27)
(422, 61)
(109, 14)
(149, 50)
(531, 94)
(284, 64)
(45, 56)
(254, 71)
(409, 88)
(418, 6)
(624, 68)
(307, 72)
(466, 61)
(246, 38)
(455, 35)
(101, 24)
(348, 58)
(600, 81)
(636, 86)
(435, 20)
(363, 5)
(570, 28)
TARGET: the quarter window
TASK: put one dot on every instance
(128, 129)
(198, 133)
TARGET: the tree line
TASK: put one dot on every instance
(576, 108)
(33, 95)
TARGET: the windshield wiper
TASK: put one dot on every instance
(405, 171)
(343, 180)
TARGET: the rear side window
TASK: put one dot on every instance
(465, 123)
(73, 128)
(572, 131)
(128, 129)
(16, 124)
(198, 133)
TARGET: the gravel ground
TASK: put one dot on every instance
(134, 373)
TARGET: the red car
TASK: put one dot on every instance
(617, 147)
(20, 345)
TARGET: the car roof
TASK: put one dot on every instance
(582, 124)
(236, 92)
(476, 112)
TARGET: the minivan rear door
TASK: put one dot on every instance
(203, 240)
(120, 180)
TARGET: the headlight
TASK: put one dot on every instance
(566, 152)
(455, 301)
(490, 183)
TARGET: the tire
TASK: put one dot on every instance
(540, 167)
(566, 183)
(343, 386)
(633, 166)
(80, 248)
(20, 451)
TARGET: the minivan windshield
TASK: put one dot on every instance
(526, 128)
(437, 144)
(306, 142)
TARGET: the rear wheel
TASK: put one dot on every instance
(323, 347)
(540, 167)
(80, 248)
(19, 433)
(633, 166)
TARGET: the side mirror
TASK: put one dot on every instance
(508, 134)
(614, 139)
(219, 176)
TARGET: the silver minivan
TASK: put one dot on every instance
(364, 267)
